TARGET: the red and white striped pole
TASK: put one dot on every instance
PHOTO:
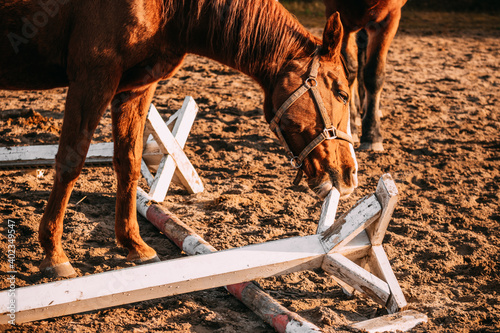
(261, 303)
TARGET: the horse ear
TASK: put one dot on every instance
(332, 35)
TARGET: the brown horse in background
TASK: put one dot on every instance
(115, 52)
(374, 23)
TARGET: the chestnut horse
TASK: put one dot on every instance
(377, 22)
(115, 52)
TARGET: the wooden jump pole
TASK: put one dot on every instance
(260, 302)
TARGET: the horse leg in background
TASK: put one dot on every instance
(86, 102)
(129, 112)
(361, 42)
(380, 36)
(349, 52)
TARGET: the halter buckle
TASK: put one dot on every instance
(330, 133)
(295, 162)
(311, 82)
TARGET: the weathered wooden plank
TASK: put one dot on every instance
(281, 319)
(328, 211)
(161, 182)
(169, 145)
(387, 195)
(146, 173)
(347, 289)
(44, 155)
(180, 124)
(348, 226)
(381, 266)
(357, 248)
(402, 321)
(357, 277)
(161, 279)
(184, 120)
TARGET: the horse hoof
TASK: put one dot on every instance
(374, 146)
(142, 261)
(355, 138)
(63, 270)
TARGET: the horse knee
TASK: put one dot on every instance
(71, 157)
(362, 40)
(67, 173)
(373, 77)
(352, 68)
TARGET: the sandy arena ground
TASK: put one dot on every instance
(441, 102)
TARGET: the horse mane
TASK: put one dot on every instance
(257, 35)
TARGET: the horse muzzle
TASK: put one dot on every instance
(345, 184)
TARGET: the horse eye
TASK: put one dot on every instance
(343, 96)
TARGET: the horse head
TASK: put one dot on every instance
(310, 115)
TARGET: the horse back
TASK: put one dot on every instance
(45, 43)
(356, 14)
(33, 43)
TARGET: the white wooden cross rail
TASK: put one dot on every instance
(354, 237)
(356, 258)
(163, 152)
(172, 157)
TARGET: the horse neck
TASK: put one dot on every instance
(256, 37)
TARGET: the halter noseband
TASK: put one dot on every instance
(330, 132)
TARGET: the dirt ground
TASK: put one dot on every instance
(441, 105)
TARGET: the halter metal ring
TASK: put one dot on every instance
(310, 80)
(295, 162)
(330, 133)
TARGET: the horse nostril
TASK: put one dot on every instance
(353, 177)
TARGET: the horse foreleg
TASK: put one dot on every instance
(380, 36)
(85, 103)
(362, 42)
(349, 52)
(129, 111)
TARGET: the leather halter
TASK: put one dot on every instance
(330, 132)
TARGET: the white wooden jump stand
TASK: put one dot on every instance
(349, 248)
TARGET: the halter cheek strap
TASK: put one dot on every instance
(330, 132)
